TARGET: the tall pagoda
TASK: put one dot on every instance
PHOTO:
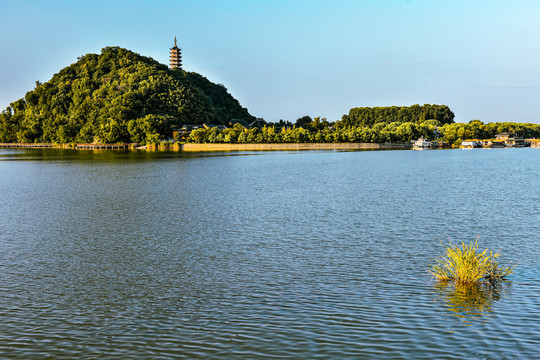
(176, 57)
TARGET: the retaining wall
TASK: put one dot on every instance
(293, 146)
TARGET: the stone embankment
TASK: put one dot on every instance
(68, 146)
(220, 147)
(27, 145)
(294, 146)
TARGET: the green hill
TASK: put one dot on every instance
(116, 96)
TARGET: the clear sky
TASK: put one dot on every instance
(283, 59)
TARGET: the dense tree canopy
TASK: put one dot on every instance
(117, 96)
(321, 131)
(366, 116)
(476, 129)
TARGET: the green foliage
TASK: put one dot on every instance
(319, 130)
(467, 265)
(476, 129)
(117, 96)
(8, 126)
(225, 106)
(304, 121)
(366, 116)
(198, 136)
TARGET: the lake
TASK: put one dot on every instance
(246, 255)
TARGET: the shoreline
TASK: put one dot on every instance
(192, 147)
(293, 146)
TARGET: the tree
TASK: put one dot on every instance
(304, 122)
(198, 136)
(407, 131)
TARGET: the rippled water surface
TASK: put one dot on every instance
(316, 254)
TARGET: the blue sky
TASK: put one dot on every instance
(285, 59)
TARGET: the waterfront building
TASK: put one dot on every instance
(510, 140)
(502, 136)
(176, 57)
(242, 122)
(535, 143)
(515, 142)
(184, 131)
(257, 123)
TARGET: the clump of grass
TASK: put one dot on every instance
(467, 265)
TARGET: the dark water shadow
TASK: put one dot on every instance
(472, 302)
(98, 155)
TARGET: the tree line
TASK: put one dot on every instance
(476, 129)
(319, 130)
(121, 96)
(369, 116)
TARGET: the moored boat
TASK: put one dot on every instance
(469, 144)
(422, 144)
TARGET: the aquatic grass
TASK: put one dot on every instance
(465, 264)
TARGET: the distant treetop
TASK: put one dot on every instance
(367, 116)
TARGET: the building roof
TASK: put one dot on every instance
(259, 123)
(238, 121)
(220, 127)
(190, 127)
(175, 46)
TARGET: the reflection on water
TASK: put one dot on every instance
(471, 302)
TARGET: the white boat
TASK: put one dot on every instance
(470, 144)
(421, 144)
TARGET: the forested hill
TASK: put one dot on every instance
(367, 117)
(116, 96)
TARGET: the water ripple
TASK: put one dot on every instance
(282, 255)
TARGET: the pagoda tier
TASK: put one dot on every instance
(176, 57)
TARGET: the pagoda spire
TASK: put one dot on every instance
(176, 57)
